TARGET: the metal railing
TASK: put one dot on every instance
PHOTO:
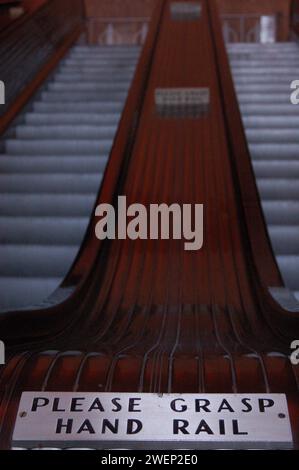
(249, 27)
(112, 31)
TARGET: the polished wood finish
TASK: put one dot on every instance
(146, 315)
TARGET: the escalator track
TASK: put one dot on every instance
(273, 141)
(148, 316)
(52, 168)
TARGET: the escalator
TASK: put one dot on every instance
(147, 316)
(263, 75)
(51, 169)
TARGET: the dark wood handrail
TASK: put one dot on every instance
(13, 25)
(294, 20)
(21, 75)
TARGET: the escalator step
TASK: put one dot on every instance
(58, 147)
(276, 151)
(52, 164)
(285, 239)
(42, 230)
(276, 168)
(16, 292)
(57, 118)
(289, 266)
(46, 183)
(269, 109)
(36, 260)
(75, 96)
(78, 107)
(117, 87)
(47, 205)
(281, 212)
(65, 131)
(265, 121)
(279, 189)
(273, 136)
(262, 81)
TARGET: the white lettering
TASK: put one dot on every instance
(294, 358)
(2, 92)
(295, 94)
(163, 221)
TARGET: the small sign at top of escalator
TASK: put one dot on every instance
(182, 102)
(185, 11)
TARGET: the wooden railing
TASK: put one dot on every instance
(29, 44)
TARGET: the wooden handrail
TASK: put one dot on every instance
(294, 20)
(21, 75)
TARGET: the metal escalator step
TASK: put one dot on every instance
(65, 131)
(97, 106)
(276, 168)
(270, 122)
(75, 96)
(269, 151)
(58, 147)
(269, 109)
(52, 164)
(42, 230)
(88, 86)
(47, 183)
(285, 239)
(47, 205)
(262, 77)
(52, 167)
(36, 260)
(273, 136)
(278, 189)
(289, 266)
(91, 118)
(16, 292)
